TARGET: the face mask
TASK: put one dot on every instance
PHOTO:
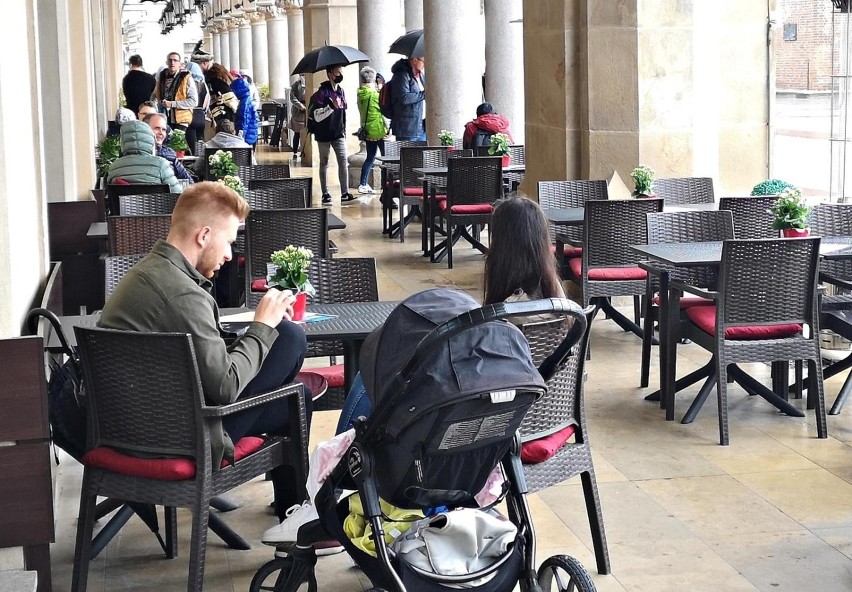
(338, 79)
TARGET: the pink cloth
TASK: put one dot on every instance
(325, 457)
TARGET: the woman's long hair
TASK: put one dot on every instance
(520, 255)
(218, 71)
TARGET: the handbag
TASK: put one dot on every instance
(361, 134)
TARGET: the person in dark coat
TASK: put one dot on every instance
(408, 92)
(137, 85)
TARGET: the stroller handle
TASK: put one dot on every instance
(505, 310)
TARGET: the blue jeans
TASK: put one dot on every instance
(357, 403)
(372, 146)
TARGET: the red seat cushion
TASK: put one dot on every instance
(160, 469)
(333, 374)
(536, 451)
(412, 191)
(687, 301)
(259, 285)
(120, 181)
(314, 381)
(607, 274)
(468, 208)
(568, 251)
(705, 318)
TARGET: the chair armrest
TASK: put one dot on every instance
(288, 390)
(685, 287)
(650, 267)
(835, 281)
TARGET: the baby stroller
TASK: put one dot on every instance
(450, 384)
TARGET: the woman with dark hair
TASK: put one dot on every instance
(223, 102)
(195, 130)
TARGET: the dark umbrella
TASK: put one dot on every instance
(410, 44)
(329, 56)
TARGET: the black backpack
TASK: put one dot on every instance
(66, 408)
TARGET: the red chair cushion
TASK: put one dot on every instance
(536, 451)
(687, 301)
(120, 181)
(705, 318)
(259, 285)
(468, 208)
(333, 374)
(314, 381)
(607, 274)
(568, 251)
(160, 469)
(412, 191)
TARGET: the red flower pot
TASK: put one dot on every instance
(451, 147)
(506, 159)
(299, 306)
(179, 153)
(795, 232)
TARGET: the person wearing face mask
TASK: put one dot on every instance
(409, 99)
(327, 122)
(298, 115)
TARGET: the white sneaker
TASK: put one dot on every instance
(288, 530)
(365, 189)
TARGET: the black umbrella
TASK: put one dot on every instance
(329, 56)
(410, 44)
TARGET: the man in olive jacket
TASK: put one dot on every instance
(169, 291)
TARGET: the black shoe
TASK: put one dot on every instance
(347, 197)
(326, 198)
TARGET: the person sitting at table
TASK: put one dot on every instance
(169, 291)
(519, 266)
(478, 132)
(226, 137)
(139, 164)
(160, 127)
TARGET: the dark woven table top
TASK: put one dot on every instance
(565, 216)
(710, 253)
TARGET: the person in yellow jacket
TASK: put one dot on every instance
(176, 92)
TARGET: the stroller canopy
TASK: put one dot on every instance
(489, 357)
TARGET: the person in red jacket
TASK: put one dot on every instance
(487, 123)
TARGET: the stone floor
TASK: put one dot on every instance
(770, 512)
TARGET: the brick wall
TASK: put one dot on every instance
(804, 64)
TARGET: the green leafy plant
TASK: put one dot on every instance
(177, 141)
(233, 182)
(291, 269)
(770, 187)
(790, 210)
(109, 148)
(263, 91)
(221, 163)
(447, 138)
(499, 145)
(643, 181)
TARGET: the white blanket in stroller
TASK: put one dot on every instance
(457, 543)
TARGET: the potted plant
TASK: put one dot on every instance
(177, 142)
(770, 187)
(643, 181)
(109, 148)
(221, 163)
(234, 183)
(291, 266)
(500, 146)
(791, 213)
(447, 138)
(263, 91)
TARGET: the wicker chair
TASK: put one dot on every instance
(563, 406)
(276, 194)
(411, 182)
(679, 227)
(263, 171)
(241, 156)
(473, 185)
(134, 235)
(568, 194)
(144, 395)
(199, 148)
(335, 281)
(114, 190)
(752, 218)
(685, 190)
(607, 266)
(767, 291)
(268, 231)
(518, 157)
(147, 204)
(115, 268)
(390, 180)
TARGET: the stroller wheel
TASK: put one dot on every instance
(563, 573)
(273, 576)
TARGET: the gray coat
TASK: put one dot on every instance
(138, 165)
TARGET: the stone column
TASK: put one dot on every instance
(413, 14)
(259, 48)
(234, 43)
(216, 49)
(244, 33)
(224, 56)
(279, 59)
(295, 37)
(504, 62)
(452, 96)
(379, 24)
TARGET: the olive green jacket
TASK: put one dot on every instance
(164, 293)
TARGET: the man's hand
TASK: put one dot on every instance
(274, 306)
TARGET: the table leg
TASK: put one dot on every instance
(351, 367)
(670, 304)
